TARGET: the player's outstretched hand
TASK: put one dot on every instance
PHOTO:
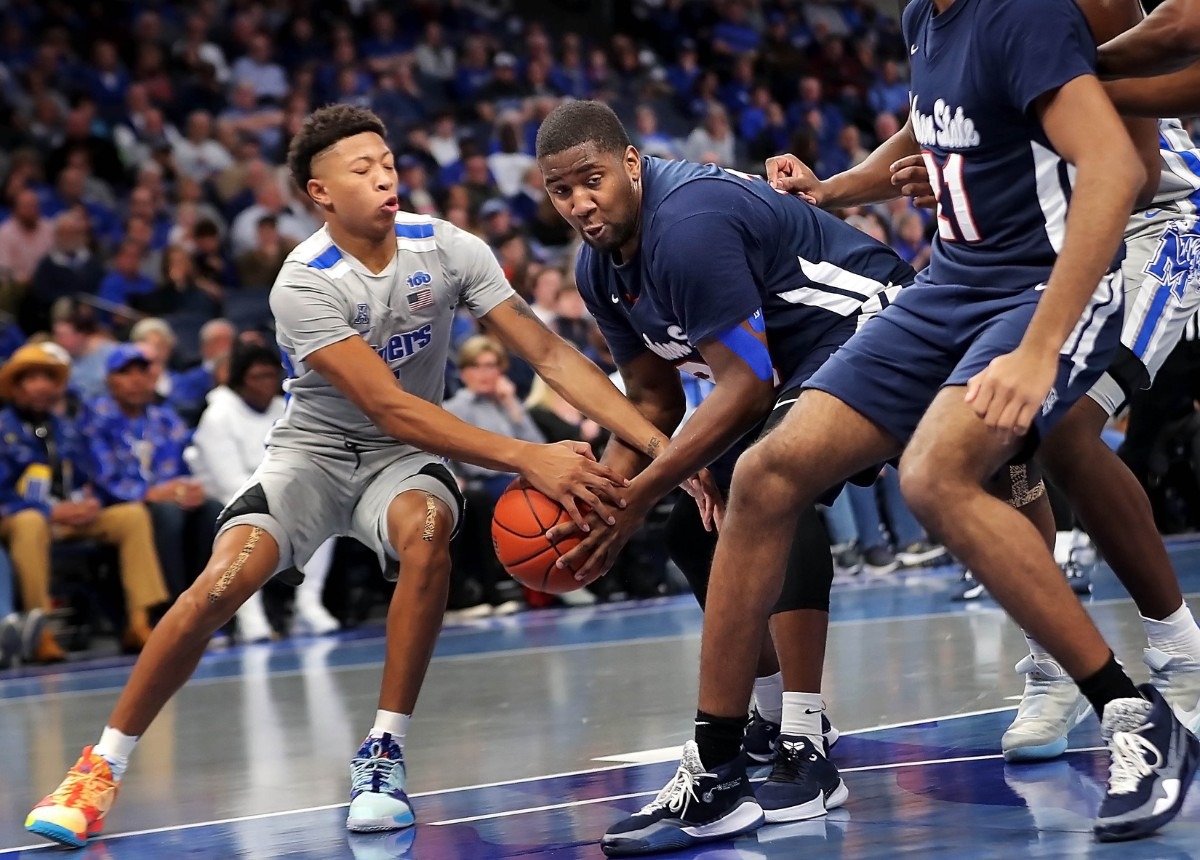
(789, 175)
(911, 177)
(1010, 391)
(597, 552)
(709, 499)
(568, 473)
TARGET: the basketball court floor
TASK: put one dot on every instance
(536, 732)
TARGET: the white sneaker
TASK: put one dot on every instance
(1051, 705)
(1177, 677)
(252, 624)
(312, 618)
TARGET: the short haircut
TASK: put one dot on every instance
(150, 326)
(573, 124)
(246, 356)
(322, 129)
(481, 344)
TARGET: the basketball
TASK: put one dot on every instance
(522, 517)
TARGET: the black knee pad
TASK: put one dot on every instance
(807, 580)
(809, 575)
(689, 546)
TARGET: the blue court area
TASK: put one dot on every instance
(537, 733)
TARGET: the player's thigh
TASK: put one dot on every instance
(299, 498)
(243, 558)
(410, 510)
(818, 443)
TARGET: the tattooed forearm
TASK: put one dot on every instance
(522, 309)
(653, 447)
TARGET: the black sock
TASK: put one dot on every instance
(719, 738)
(1109, 683)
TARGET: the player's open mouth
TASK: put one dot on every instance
(593, 230)
(391, 205)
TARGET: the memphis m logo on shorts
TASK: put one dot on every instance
(1176, 263)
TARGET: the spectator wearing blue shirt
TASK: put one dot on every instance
(734, 35)
(138, 450)
(125, 280)
(11, 337)
(46, 495)
(889, 94)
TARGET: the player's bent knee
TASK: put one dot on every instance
(765, 473)
(923, 483)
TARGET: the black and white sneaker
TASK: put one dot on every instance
(762, 734)
(803, 784)
(969, 588)
(1154, 758)
(921, 552)
(694, 807)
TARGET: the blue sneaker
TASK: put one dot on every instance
(377, 781)
(761, 735)
(803, 784)
(694, 807)
(1153, 761)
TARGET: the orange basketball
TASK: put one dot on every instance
(519, 525)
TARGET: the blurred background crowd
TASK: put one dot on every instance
(145, 211)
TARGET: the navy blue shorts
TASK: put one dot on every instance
(935, 336)
(834, 339)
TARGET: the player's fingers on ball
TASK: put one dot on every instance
(572, 509)
(610, 475)
(562, 531)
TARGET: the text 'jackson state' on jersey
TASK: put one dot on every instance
(716, 248)
(1002, 190)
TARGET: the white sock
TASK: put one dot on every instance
(802, 716)
(768, 697)
(1040, 654)
(115, 748)
(1177, 634)
(391, 723)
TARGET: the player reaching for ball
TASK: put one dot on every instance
(363, 311)
(692, 267)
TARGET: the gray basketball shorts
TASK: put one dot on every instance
(1162, 292)
(303, 497)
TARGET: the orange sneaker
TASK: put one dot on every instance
(75, 810)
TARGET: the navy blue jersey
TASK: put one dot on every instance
(719, 248)
(1002, 190)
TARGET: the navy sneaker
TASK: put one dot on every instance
(694, 807)
(761, 734)
(803, 784)
(1153, 761)
(969, 588)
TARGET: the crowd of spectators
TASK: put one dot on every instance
(145, 211)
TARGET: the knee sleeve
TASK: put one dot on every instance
(690, 547)
(809, 575)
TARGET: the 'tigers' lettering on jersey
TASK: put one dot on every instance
(405, 344)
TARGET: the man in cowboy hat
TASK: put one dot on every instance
(45, 495)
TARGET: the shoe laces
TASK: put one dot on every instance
(792, 761)
(375, 772)
(677, 793)
(1133, 758)
(82, 788)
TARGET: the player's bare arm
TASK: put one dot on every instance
(1084, 129)
(1166, 41)
(869, 182)
(580, 382)
(653, 386)
(1177, 94)
(742, 397)
(564, 471)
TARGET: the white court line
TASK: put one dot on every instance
(665, 754)
(527, 779)
(864, 768)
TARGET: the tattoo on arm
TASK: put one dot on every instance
(652, 447)
(522, 309)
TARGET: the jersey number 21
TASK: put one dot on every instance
(955, 222)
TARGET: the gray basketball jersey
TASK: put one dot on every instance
(322, 296)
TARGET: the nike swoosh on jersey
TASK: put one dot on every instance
(914, 49)
(616, 300)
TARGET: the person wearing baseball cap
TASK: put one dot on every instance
(46, 495)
